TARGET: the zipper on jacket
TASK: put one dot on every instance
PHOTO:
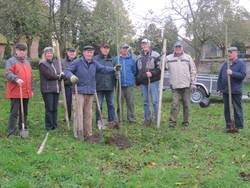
(57, 85)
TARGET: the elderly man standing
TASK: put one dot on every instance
(182, 72)
(237, 73)
(105, 84)
(70, 57)
(18, 73)
(147, 76)
(83, 73)
(128, 70)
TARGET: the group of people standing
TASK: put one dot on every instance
(92, 76)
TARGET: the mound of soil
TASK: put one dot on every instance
(119, 140)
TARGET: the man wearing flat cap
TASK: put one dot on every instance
(237, 73)
(18, 73)
(70, 57)
(82, 72)
(182, 71)
(148, 74)
(105, 84)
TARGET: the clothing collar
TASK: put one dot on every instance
(178, 55)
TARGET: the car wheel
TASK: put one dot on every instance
(198, 95)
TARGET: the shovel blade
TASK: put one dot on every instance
(24, 133)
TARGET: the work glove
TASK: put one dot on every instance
(117, 67)
(193, 88)
(74, 79)
(19, 81)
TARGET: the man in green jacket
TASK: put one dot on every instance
(105, 84)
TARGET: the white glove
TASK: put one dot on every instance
(19, 81)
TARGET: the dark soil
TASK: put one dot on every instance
(119, 140)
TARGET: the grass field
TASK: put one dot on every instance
(201, 156)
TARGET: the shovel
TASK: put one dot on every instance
(149, 123)
(100, 112)
(24, 133)
(232, 123)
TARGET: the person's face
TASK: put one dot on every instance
(21, 53)
(49, 55)
(124, 51)
(145, 46)
(232, 55)
(71, 54)
(88, 54)
(178, 49)
(105, 50)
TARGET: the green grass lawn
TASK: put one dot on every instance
(202, 156)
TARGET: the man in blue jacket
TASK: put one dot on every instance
(237, 73)
(83, 73)
(128, 70)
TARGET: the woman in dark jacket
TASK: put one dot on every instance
(50, 87)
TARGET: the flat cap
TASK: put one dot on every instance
(71, 49)
(48, 49)
(21, 46)
(125, 46)
(88, 48)
(145, 41)
(178, 43)
(232, 48)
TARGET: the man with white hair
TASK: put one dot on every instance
(148, 74)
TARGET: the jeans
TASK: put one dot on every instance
(154, 98)
(51, 103)
(109, 96)
(238, 112)
(68, 93)
(15, 111)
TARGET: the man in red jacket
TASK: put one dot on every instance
(18, 73)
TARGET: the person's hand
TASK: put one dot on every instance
(19, 81)
(149, 74)
(117, 75)
(74, 79)
(229, 72)
(117, 67)
(193, 88)
(61, 76)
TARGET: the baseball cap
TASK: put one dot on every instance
(178, 43)
(105, 45)
(232, 48)
(125, 46)
(88, 48)
(145, 41)
(71, 49)
(21, 46)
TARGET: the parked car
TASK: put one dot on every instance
(206, 86)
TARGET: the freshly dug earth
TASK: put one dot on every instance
(119, 140)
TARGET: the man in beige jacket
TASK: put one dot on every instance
(182, 72)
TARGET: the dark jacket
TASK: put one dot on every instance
(86, 73)
(239, 72)
(16, 69)
(105, 82)
(147, 62)
(49, 77)
(128, 70)
(65, 64)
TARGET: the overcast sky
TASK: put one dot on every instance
(138, 10)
